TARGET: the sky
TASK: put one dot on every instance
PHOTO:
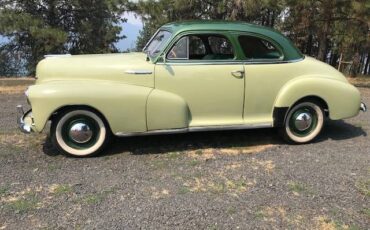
(130, 29)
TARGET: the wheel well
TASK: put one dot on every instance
(75, 107)
(279, 113)
(321, 102)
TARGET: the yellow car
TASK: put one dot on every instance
(191, 76)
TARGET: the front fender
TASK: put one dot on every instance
(166, 110)
(123, 105)
(342, 98)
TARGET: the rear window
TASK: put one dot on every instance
(258, 49)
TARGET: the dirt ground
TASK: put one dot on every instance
(211, 180)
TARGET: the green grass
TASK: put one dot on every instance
(366, 211)
(4, 190)
(62, 189)
(231, 210)
(184, 190)
(363, 187)
(173, 155)
(96, 198)
(299, 187)
(194, 163)
(259, 214)
(24, 204)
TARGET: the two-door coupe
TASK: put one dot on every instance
(191, 76)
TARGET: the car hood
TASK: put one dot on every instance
(129, 68)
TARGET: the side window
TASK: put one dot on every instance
(221, 46)
(257, 48)
(197, 49)
(202, 47)
(180, 49)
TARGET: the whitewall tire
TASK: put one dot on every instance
(79, 133)
(303, 123)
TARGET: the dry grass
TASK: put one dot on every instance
(22, 141)
(211, 153)
(360, 81)
(16, 89)
(15, 85)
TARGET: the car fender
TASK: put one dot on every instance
(342, 98)
(122, 105)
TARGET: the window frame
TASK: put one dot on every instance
(261, 60)
(187, 49)
(164, 45)
(224, 34)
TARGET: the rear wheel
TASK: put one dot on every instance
(303, 122)
(79, 133)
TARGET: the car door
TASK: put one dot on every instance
(265, 74)
(202, 69)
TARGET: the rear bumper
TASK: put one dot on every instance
(24, 120)
(363, 107)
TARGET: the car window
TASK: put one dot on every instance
(180, 49)
(220, 45)
(157, 43)
(202, 47)
(257, 48)
(197, 48)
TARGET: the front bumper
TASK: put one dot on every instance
(24, 120)
(363, 107)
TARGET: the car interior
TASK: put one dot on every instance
(218, 47)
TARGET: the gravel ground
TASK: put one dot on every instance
(212, 180)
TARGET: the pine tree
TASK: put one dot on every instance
(39, 27)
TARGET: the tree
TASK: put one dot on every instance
(39, 27)
(321, 28)
(156, 13)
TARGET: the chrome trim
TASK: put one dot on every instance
(238, 62)
(238, 73)
(201, 63)
(196, 129)
(264, 62)
(363, 107)
(25, 128)
(154, 132)
(57, 55)
(142, 72)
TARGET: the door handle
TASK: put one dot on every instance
(238, 73)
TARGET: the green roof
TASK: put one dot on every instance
(290, 51)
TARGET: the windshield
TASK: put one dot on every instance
(157, 42)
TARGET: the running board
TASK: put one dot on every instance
(196, 129)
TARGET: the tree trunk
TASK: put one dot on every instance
(323, 42)
(367, 69)
(355, 63)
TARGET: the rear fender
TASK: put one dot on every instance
(342, 98)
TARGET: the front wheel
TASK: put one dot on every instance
(303, 123)
(79, 133)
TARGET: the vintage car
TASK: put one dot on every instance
(191, 76)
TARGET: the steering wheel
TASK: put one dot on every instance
(173, 54)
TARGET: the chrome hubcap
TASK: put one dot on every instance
(80, 133)
(303, 121)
